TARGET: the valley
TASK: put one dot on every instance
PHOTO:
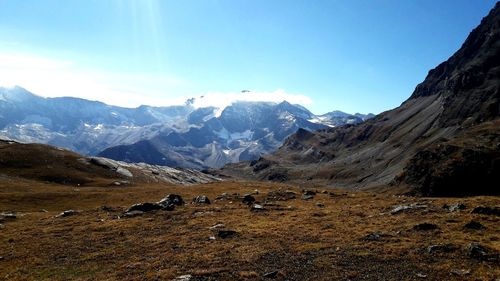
(259, 190)
(335, 235)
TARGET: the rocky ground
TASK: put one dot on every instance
(285, 234)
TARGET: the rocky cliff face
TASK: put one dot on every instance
(447, 131)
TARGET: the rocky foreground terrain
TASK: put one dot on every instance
(55, 232)
(68, 217)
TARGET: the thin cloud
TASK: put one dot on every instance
(51, 77)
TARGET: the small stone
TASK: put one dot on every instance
(400, 208)
(145, 207)
(257, 208)
(67, 213)
(457, 207)
(248, 199)
(172, 199)
(309, 192)
(476, 250)
(223, 196)
(9, 215)
(211, 238)
(202, 199)
(375, 236)
(272, 274)
(307, 197)
(44, 211)
(493, 211)
(460, 272)
(219, 225)
(186, 277)
(280, 195)
(133, 213)
(445, 248)
(226, 234)
(320, 205)
(474, 225)
(421, 275)
(425, 226)
(107, 209)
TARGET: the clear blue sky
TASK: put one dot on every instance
(355, 56)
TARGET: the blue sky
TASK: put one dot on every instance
(355, 56)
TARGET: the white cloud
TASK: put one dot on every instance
(223, 99)
(52, 77)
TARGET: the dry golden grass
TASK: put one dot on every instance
(296, 238)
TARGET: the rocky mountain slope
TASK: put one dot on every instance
(49, 164)
(182, 136)
(243, 131)
(444, 140)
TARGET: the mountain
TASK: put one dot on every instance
(44, 163)
(443, 140)
(77, 124)
(182, 136)
(243, 131)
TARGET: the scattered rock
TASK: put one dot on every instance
(223, 196)
(457, 207)
(7, 216)
(425, 226)
(442, 248)
(257, 208)
(400, 208)
(67, 213)
(120, 183)
(460, 272)
(144, 207)
(133, 213)
(186, 277)
(171, 199)
(421, 275)
(272, 274)
(280, 195)
(308, 192)
(307, 197)
(226, 234)
(217, 226)
(375, 236)
(248, 199)
(108, 209)
(493, 211)
(477, 251)
(474, 225)
(202, 199)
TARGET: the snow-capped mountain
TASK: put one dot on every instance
(181, 136)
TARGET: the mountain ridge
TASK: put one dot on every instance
(389, 150)
(186, 136)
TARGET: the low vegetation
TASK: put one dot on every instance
(333, 235)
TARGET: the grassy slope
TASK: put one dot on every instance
(304, 242)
